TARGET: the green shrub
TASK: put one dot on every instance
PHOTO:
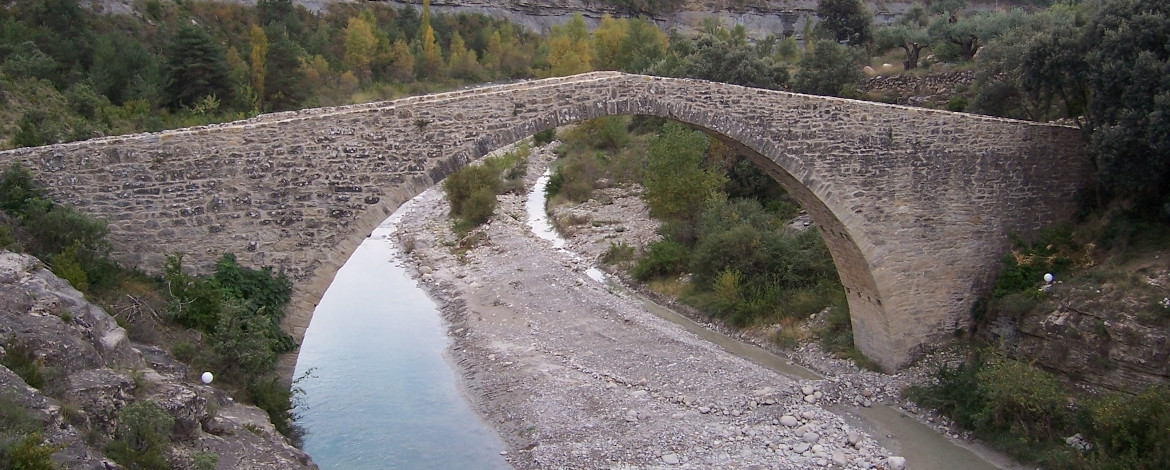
(957, 104)
(479, 207)
(204, 460)
(195, 302)
(261, 293)
(555, 181)
(278, 401)
(619, 252)
(663, 258)
(21, 360)
(15, 417)
(184, 351)
(1130, 431)
(608, 133)
(142, 437)
(66, 267)
(545, 137)
(29, 453)
(466, 190)
(241, 349)
(17, 189)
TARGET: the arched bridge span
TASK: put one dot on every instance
(915, 205)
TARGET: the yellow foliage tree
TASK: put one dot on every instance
(257, 57)
(461, 61)
(360, 46)
(607, 43)
(401, 62)
(493, 53)
(316, 70)
(569, 49)
(428, 55)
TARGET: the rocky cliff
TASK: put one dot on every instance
(88, 371)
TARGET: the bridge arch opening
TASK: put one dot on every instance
(867, 315)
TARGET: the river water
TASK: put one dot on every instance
(380, 394)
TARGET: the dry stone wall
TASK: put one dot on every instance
(915, 204)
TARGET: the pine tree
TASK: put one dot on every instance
(196, 67)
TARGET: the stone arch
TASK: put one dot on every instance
(915, 204)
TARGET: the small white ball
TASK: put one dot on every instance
(207, 377)
(1048, 278)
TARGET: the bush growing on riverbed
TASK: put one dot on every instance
(472, 190)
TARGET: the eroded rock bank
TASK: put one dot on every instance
(576, 376)
(91, 371)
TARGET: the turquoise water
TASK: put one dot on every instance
(380, 394)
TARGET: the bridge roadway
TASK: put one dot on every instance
(915, 205)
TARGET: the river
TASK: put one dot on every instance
(379, 393)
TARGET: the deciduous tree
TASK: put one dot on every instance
(846, 21)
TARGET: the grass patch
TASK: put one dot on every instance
(617, 253)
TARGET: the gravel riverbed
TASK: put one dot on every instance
(574, 374)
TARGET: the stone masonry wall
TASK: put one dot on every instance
(915, 204)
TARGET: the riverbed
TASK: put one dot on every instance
(573, 371)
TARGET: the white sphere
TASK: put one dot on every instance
(1048, 278)
(207, 377)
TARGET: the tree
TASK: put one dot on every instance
(607, 43)
(360, 46)
(285, 90)
(830, 70)
(911, 40)
(401, 63)
(1035, 70)
(1128, 53)
(428, 56)
(677, 185)
(461, 61)
(846, 21)
(119, 62)
(493, 52)
(569, 48)
(724, 56)
(142, 437)
(962, 36)
(257, 56)
(643, 45)
(196, 68)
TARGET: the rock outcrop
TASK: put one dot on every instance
(90, 371)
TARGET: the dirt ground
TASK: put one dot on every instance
(575, 374)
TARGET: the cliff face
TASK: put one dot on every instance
(90, 371)
(760, 18)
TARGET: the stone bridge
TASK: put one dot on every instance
(915, 205)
